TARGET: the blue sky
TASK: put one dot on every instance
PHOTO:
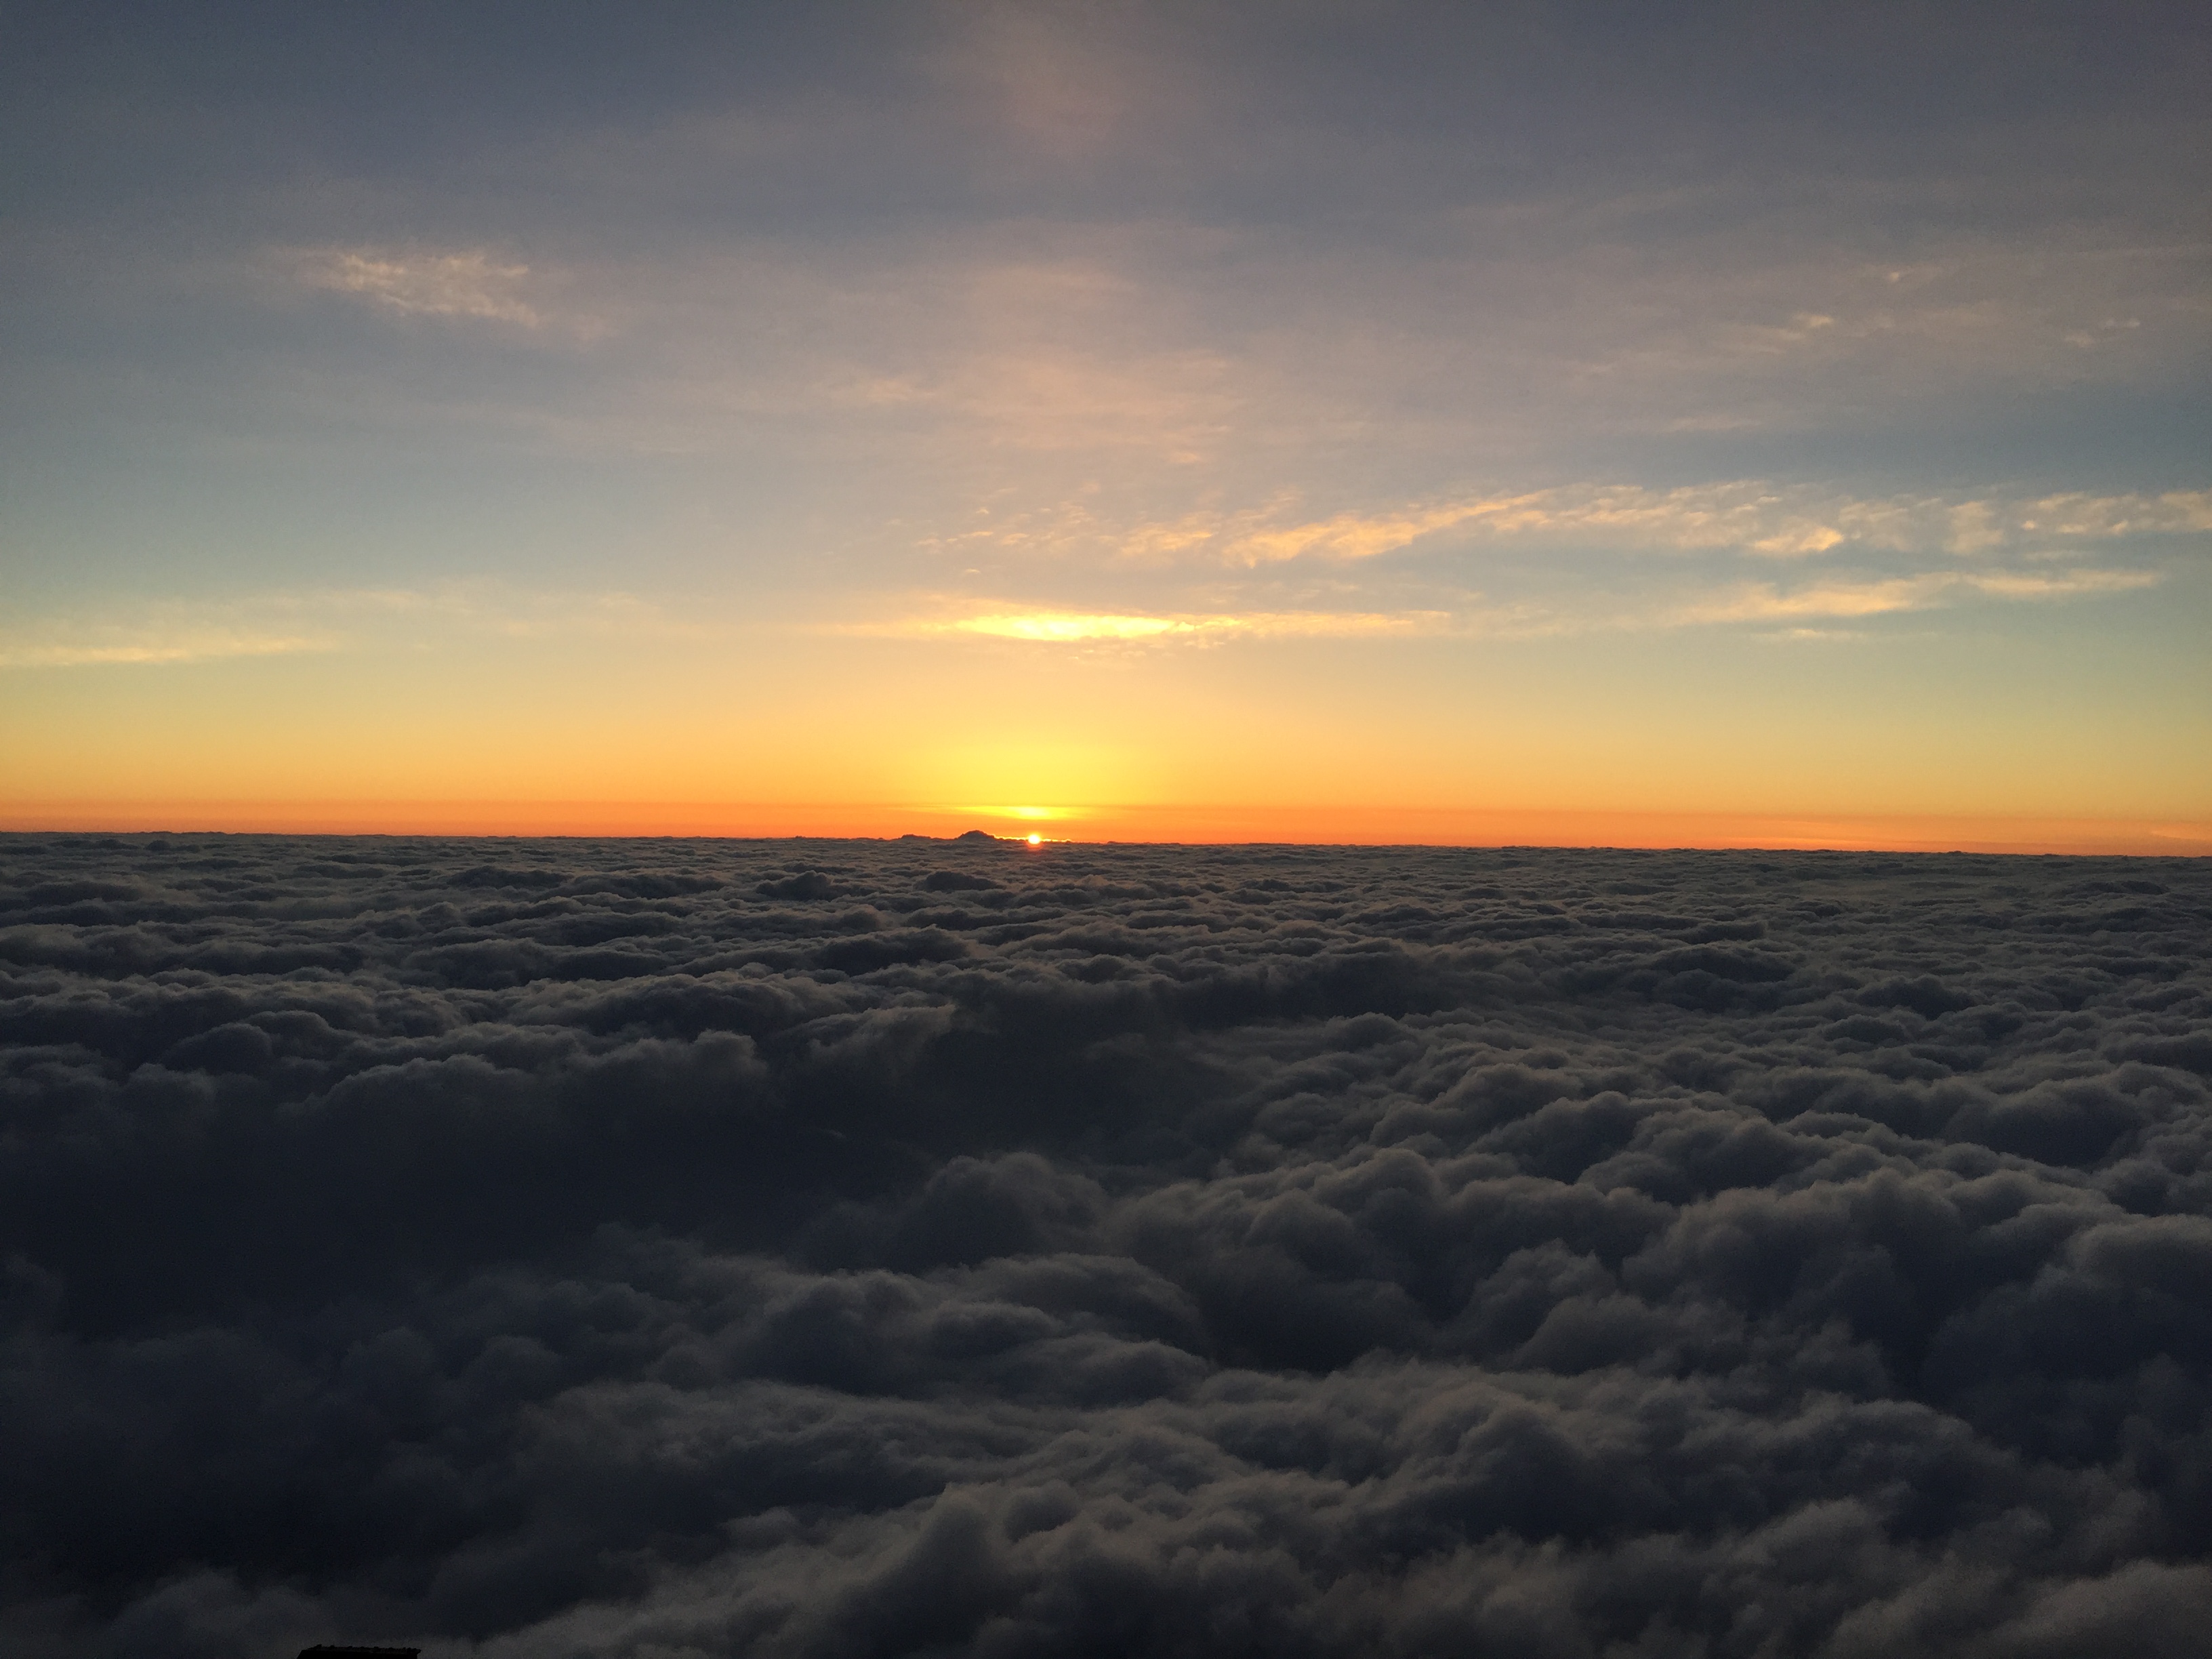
(1549, 384)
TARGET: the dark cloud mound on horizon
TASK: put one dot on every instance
(689, 1248)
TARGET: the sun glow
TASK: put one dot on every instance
(1030, 814)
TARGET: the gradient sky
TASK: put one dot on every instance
(1385, 421)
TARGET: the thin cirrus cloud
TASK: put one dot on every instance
(1750, 516)
(175, 632)
(1070, 627)
(1839, 598)
(471, 284)
(162, 633)
(158, 646)
(1765, 602)
(159, 632)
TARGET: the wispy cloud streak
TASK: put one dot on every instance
(1050, 626)
(159, 632)
(1836, 597)
(1751, 518)
(1765, 602)
(469, 283)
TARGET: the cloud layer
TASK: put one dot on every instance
(1671, 559)
(832, 1247)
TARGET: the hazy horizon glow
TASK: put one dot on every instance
(1402, 423)
(1183, 824)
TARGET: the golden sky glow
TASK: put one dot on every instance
(1416, 738)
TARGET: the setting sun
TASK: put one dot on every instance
(1606, 605)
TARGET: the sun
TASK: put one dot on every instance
(1037, 841)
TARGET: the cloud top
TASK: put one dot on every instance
(819, 1248)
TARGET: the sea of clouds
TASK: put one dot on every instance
(657, 1248)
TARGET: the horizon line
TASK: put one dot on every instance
(1157, 824)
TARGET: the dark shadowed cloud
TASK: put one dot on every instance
(584, 1249)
